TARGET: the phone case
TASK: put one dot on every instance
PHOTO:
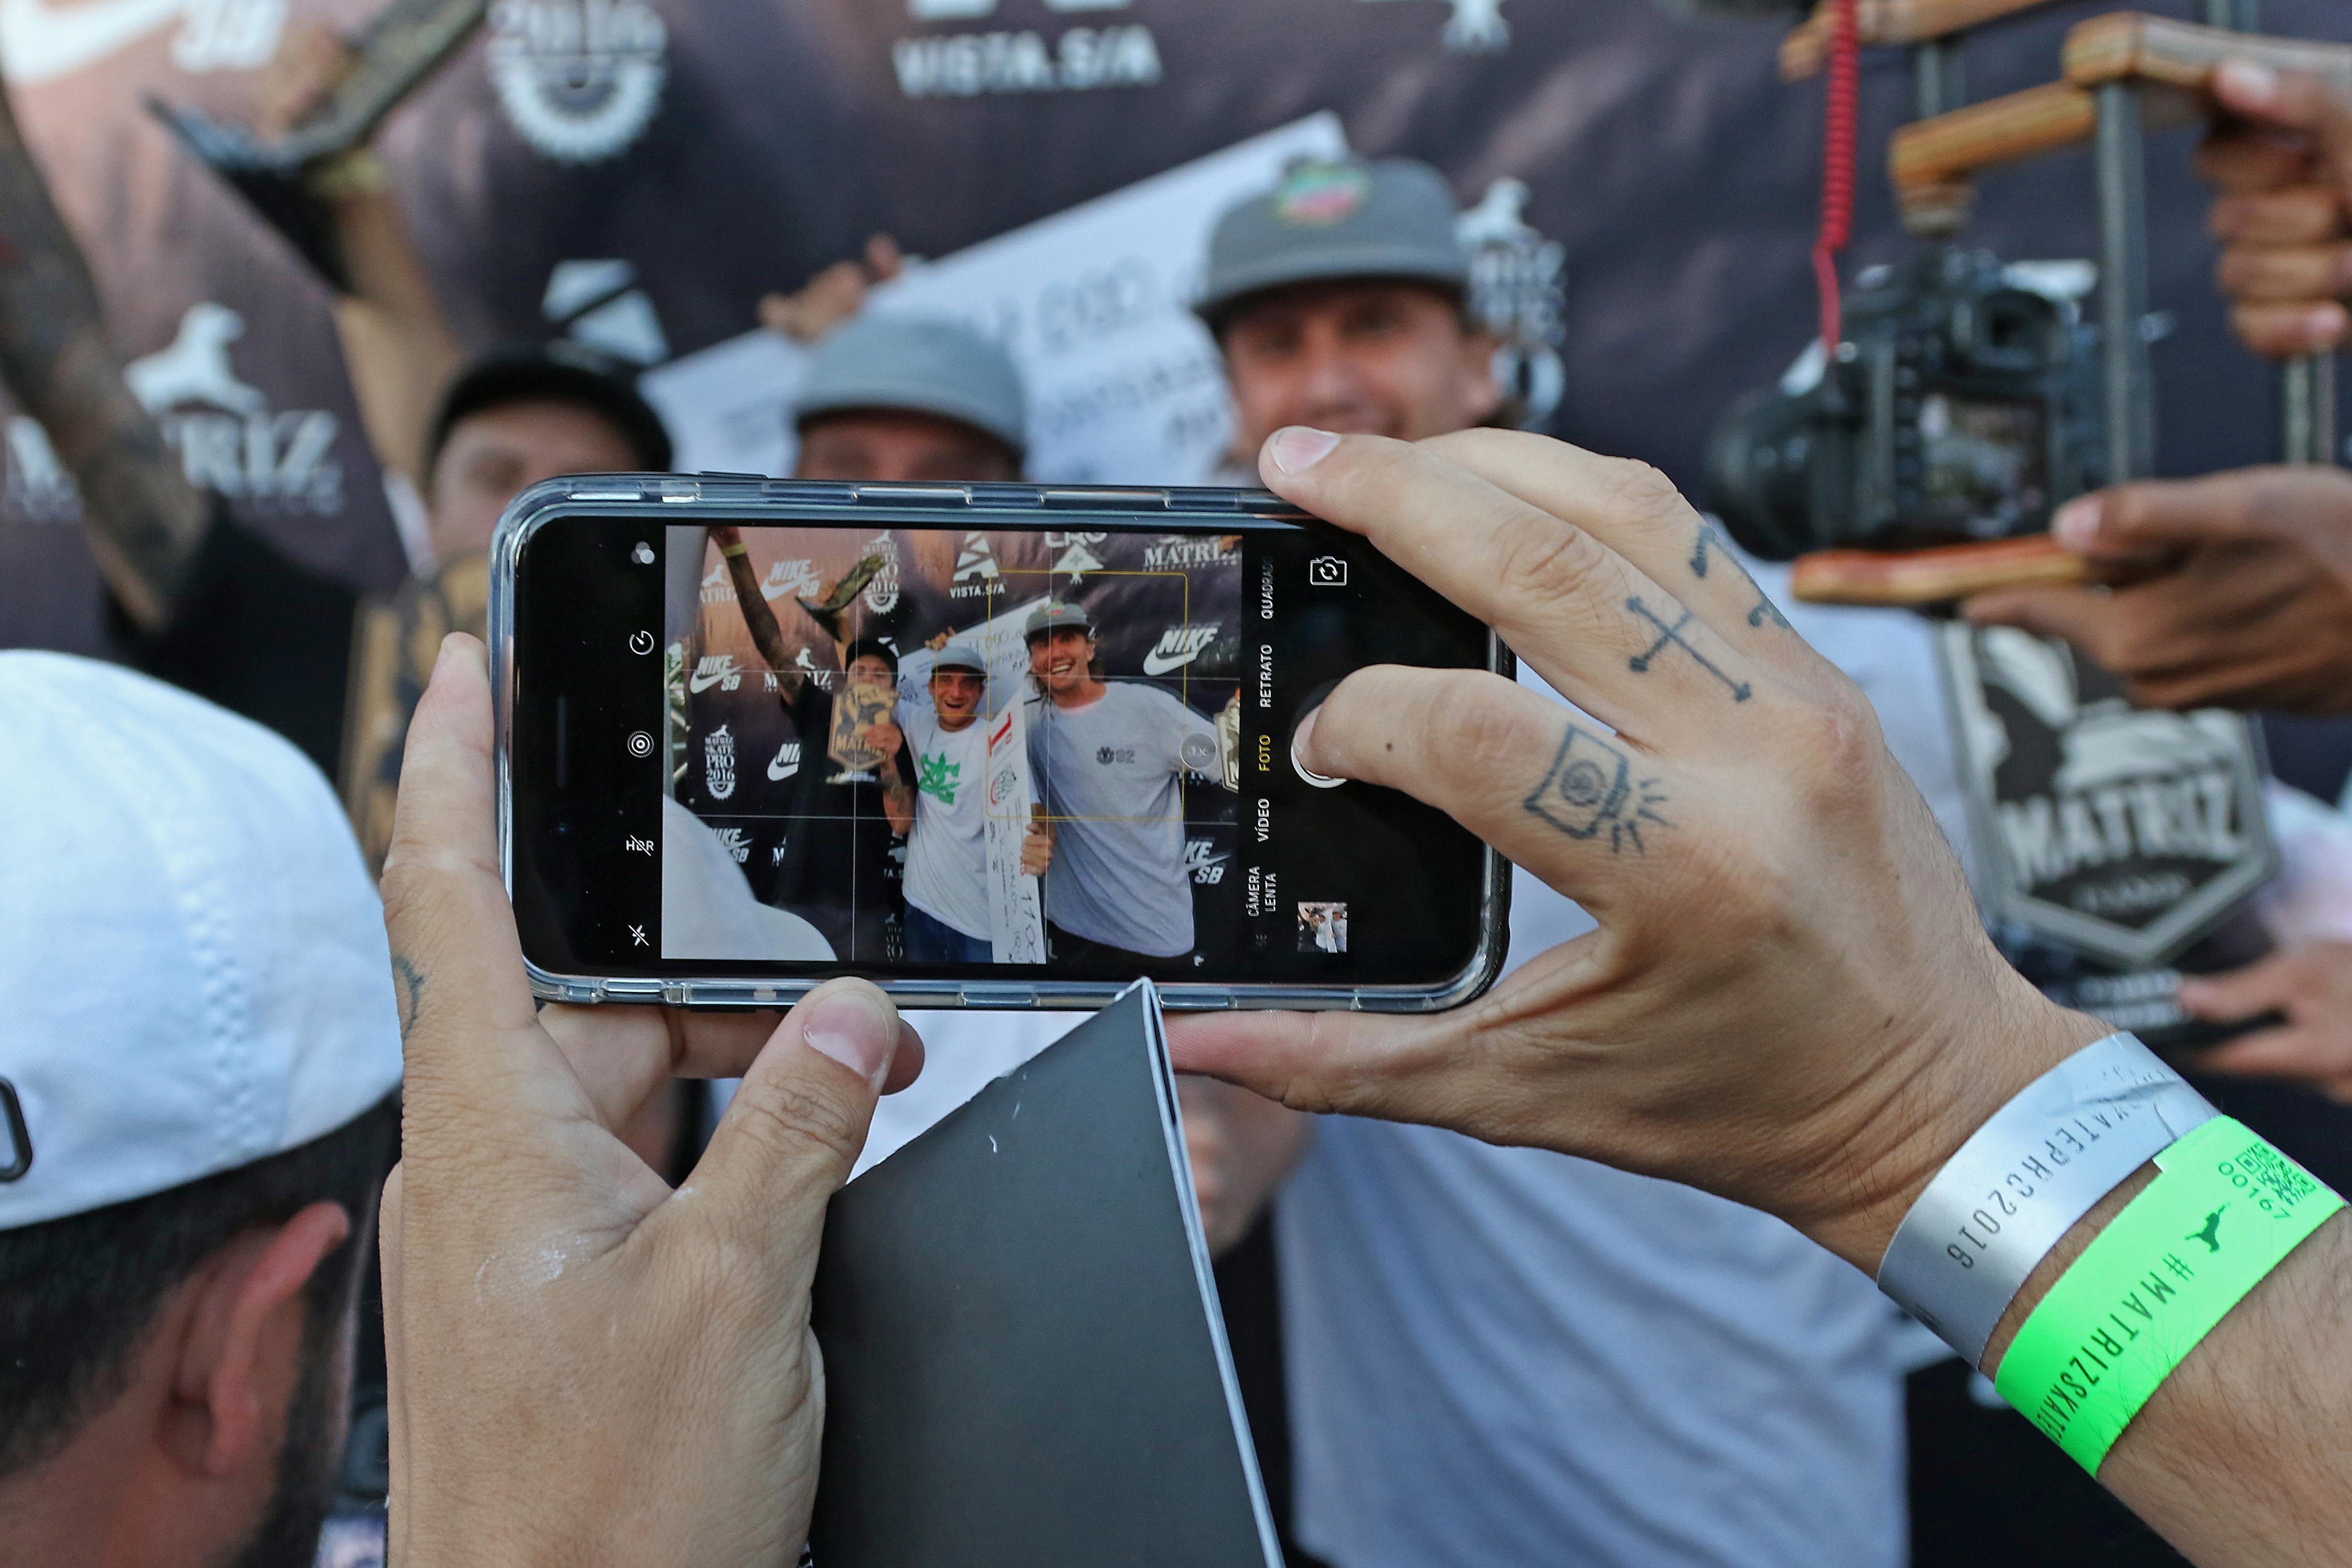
(754, 500)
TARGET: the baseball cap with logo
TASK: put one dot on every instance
(917, 364)
(1053, 615)
(1329, 220)
(191, 954)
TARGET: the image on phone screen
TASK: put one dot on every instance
(963, 746)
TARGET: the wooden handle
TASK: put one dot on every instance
(1888, 22)
(1949, 148)
(1932, 576)
(2183, 55)
(1928, 159)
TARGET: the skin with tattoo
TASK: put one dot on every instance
(1789, 999)
(144, 519)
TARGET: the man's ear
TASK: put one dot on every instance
(240, 1357)
(1481, 397)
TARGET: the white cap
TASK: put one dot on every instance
(193, 968)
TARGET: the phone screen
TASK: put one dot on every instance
(992, 752)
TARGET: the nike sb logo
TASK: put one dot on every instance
(786, 763)
(715, 670)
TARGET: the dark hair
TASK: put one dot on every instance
(561, 372)
(77, 1294)
(874, 645)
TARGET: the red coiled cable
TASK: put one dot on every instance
(1840, 124)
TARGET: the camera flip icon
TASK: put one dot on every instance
(1327, 572)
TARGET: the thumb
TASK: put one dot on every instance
(2297, 100)
(794, 1129)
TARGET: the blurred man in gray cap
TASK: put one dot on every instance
(947, 855)
(199, 1048)
(910, 398)
(1340, 300)
(1501, 1356)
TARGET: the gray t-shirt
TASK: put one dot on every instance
(1109, 773)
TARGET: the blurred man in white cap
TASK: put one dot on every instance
(910, 398)
(199, 1050)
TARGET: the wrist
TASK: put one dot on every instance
(1960, 1069)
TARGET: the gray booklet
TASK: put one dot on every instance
(1024, 1361)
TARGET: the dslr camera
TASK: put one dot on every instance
(1963, 406)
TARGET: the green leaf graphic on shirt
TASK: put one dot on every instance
(940, 776)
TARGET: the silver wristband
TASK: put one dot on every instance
(1999, 1206)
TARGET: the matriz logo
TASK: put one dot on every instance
(229, 440)
(719, 763)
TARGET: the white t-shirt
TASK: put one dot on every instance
(947, 855)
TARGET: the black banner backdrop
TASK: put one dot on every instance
(722, 151)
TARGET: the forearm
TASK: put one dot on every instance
(144, 520)
(2242, 1456)
(766, 636)
(897, 798)
(398, 345)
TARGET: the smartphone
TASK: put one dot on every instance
(988, 746)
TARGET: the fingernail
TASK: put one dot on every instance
(2076, 526)
(1299, 447)
(1298, 743)
(2324, 322)
(852, 1030)
(2248, 82)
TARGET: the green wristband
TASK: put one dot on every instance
(2224, 1210)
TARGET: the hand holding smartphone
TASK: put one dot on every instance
(988, 746)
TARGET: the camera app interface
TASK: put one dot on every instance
(912, 747)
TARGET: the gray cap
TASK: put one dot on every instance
(1326, 220)
(959, 656)
(917, 364)
(1053, 615)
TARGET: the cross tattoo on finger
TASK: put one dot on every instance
(1640, 663)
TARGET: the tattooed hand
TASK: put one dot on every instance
(1789, 999)
(587, 1367)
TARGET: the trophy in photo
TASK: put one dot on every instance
(278, 179)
